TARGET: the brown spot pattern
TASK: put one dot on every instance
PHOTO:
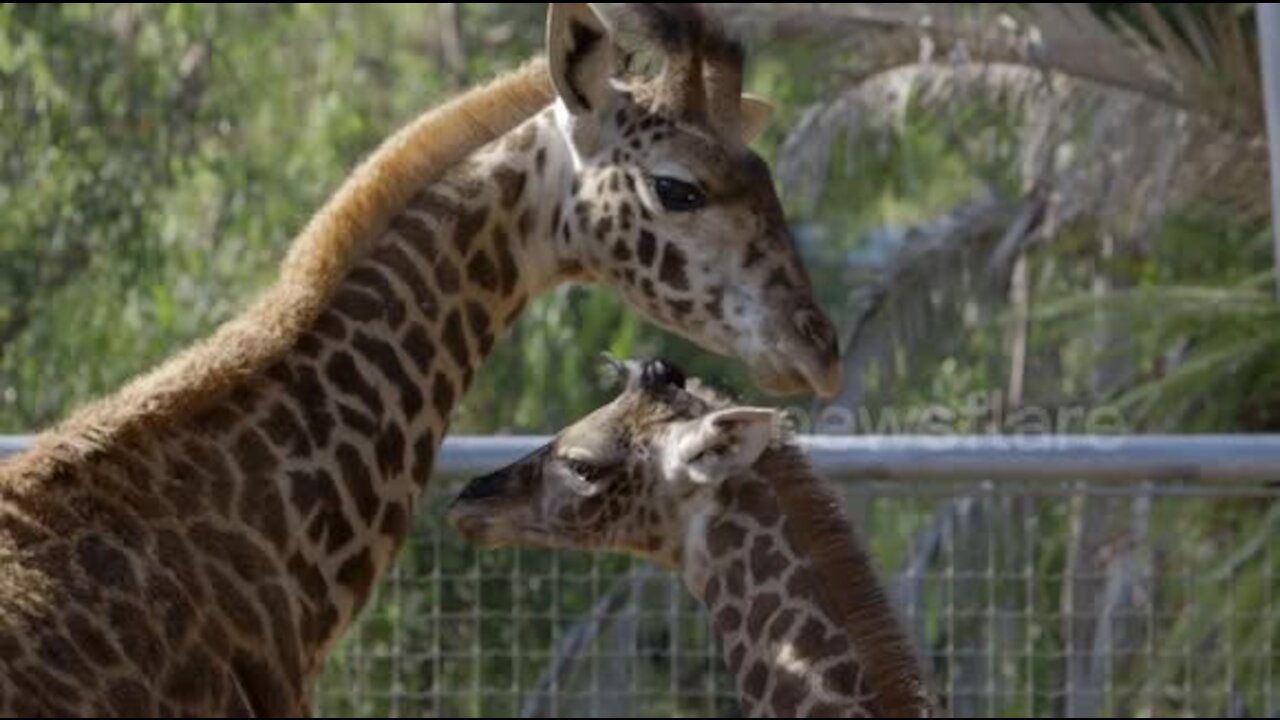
(672, 273)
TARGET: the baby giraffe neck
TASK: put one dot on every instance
(790, 651)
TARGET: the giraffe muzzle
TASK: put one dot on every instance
(480, 507)
(800, 354)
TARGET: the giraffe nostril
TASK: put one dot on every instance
(816, 329)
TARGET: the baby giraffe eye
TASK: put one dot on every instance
(678, 195)
(589, 471)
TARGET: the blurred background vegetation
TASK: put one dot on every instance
(1021, 206)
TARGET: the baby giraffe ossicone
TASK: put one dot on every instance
(673, 473)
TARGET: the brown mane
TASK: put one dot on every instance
(335, 238)
(849, 585)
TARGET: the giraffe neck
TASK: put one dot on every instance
(196, 542)
(790, 655)
(331, 447)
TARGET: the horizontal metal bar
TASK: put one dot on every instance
(1248, 459)
(13, 444)
(1205, 458)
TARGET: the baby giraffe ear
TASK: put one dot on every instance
(756, 114)
(722, 443)
(580, 53)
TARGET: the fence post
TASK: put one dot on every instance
(1269, 50)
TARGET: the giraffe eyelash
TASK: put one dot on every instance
(588, 471)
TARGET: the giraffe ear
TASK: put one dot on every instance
(756, 114)
(580, 53)
(722, 443)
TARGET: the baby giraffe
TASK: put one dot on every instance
(678, 475)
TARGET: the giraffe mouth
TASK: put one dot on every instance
(480, 523)
(793, 352)
(792, 370)
(492, 523)
(484, 530)
(471, 526)
(488, 528)
(823, 382)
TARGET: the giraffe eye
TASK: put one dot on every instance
(586, 470)
(678, 195)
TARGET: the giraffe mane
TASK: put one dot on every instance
(849, 585)
(337, 236)
(673, 27)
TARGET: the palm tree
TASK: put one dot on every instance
(1107, 245)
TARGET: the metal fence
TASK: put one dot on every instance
(1048, 577)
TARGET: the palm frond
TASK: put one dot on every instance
(1209, 374)
(1116, 121)
(1203, 133)
(912, 298)
(1205, 64)
(1251, 301)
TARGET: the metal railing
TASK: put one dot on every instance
(1041, 576)
(1229, 459)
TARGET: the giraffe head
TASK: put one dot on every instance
(635, 476)
(669, 204)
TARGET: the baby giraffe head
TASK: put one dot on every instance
(635, 476)
(669, 205)
(678, 476)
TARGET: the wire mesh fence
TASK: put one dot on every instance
(1049, 598)
(1137, 581)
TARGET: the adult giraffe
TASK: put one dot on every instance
(195, 543)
